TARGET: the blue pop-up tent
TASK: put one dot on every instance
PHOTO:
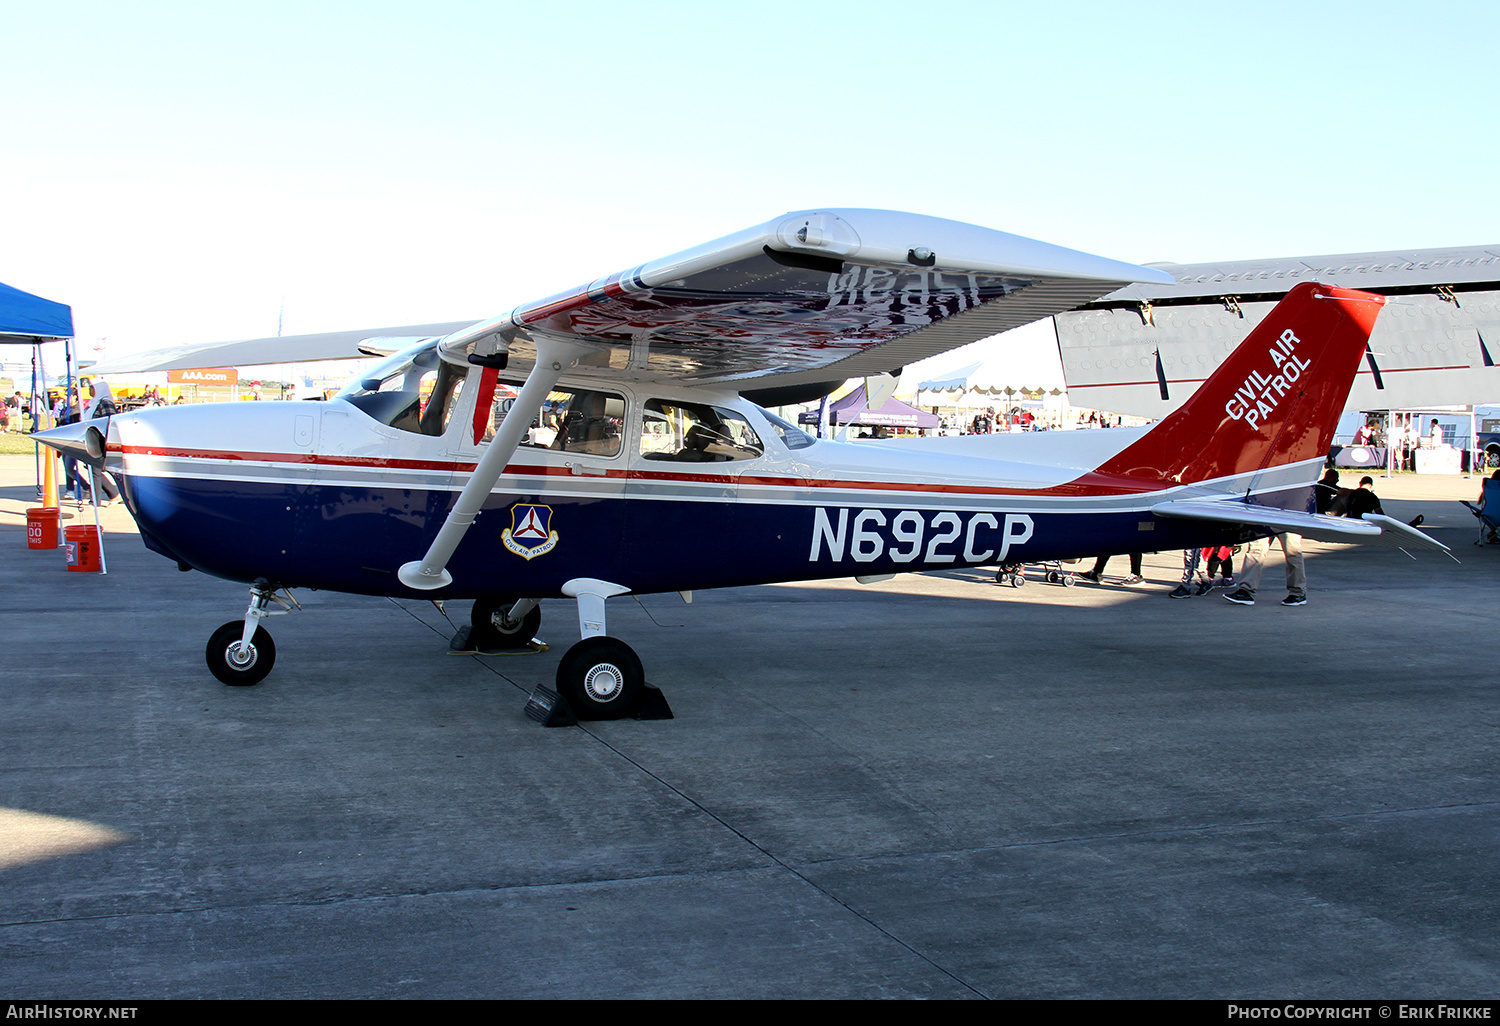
(30, 320)
(851, 409)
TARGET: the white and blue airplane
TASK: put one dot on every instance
(611, 441)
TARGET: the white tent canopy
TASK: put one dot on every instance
(980, 373)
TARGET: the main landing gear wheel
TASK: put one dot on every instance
(492, 630)
(601, 677)
(237, 664)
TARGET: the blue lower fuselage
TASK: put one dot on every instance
(353, 539)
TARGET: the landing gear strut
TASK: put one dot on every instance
(601, 677)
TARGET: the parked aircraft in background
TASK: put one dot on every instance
(634, 456)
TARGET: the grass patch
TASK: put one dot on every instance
(16, 445)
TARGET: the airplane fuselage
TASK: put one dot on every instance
(324, 495)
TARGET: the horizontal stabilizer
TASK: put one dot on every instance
(1310, 525)
(1405, 532)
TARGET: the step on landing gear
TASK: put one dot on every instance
(600, 678)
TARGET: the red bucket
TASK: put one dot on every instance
(83, 548)
(41, 527)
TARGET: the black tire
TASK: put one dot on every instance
(488, 630)
(240, 669)
(601, 678)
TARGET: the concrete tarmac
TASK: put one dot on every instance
(933, 787)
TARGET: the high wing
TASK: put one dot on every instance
(251, 352)
(811, 297)
(814, 296)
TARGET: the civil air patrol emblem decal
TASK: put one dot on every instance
(530, 532)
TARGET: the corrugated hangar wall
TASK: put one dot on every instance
(1428, 350)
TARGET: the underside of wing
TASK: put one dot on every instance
(812, 296)
(252, 352)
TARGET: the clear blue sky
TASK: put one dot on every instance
(177, 171)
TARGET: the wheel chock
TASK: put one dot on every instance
(550, 709)
(462, 644)
(653, 705)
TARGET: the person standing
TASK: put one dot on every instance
(1254, 562)
(1220, 559)
(1326, 491)
(1096, 575)
(1191, 573)
(102, 404)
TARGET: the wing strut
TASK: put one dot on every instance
(553, 357)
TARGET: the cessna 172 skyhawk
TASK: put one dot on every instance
(633, 459)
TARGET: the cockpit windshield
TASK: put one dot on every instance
(791, 436)
(410, 391)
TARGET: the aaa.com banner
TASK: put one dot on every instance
(204, 376)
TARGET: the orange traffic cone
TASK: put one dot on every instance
(49, 477)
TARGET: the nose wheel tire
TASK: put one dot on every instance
(601, 678)
(236, 664)
(491, 631)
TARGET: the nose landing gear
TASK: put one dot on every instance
(241, 652)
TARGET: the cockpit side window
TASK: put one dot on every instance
(583, 421)
(693, 433)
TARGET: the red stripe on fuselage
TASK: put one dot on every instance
(1086, 485)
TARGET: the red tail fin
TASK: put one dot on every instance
(1274, 401)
